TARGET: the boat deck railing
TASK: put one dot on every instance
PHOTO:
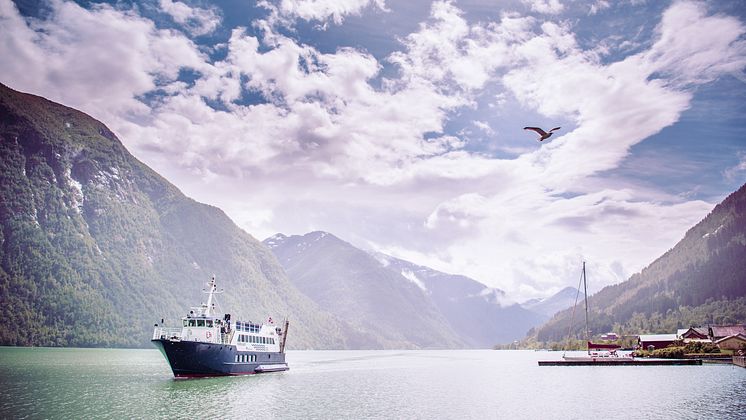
(166, 332)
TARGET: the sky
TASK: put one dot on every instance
(398, 125)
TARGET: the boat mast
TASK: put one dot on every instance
(213, 287)
(585, 291)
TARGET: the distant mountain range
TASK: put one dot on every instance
(701, 280)
(563, 299)
(387, 309)
(95, 247)
(389, 298)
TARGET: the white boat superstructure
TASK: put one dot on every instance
(207, 344)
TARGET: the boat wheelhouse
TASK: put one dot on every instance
(210, 345)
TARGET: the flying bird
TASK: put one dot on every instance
(544, 135)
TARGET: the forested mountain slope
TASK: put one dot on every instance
(700, 280)
(95, 246)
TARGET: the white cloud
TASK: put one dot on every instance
(331, 148)
(599, 6)
(198, 21)
(286, 11)
(737, 171)
(484, 126)
(97, 60)
(694, 48)
(454, 55)
(545, 6)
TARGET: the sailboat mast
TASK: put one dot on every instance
(585, 291)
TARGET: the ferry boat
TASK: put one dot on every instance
(210, 345)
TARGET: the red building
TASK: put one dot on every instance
(699, 333)
(716, 332)
(656, 341)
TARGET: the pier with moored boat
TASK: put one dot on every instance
(606, 354)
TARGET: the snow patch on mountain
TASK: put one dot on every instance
(409, 275)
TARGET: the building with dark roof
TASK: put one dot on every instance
(716, 332)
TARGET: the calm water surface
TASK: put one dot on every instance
(455, 384)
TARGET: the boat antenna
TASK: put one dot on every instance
(213, 290)
(585, 291)
(572, 318)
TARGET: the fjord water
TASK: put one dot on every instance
(115, 383)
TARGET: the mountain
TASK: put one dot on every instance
(563, 299)
(701, 280)
(95, 246)
(387, 310)
(481, 315)
(352, 283)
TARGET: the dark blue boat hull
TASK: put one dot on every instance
(191, 359)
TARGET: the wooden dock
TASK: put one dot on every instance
(739, 361)
(636, 362)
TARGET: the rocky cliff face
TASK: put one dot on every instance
(95, 246)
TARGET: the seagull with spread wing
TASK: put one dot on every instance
(544, 135)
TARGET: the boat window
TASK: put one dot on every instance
(200, 322)
(191, 323)
(271, 341)
(236, 358)
(209, 323)
(185, 322)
